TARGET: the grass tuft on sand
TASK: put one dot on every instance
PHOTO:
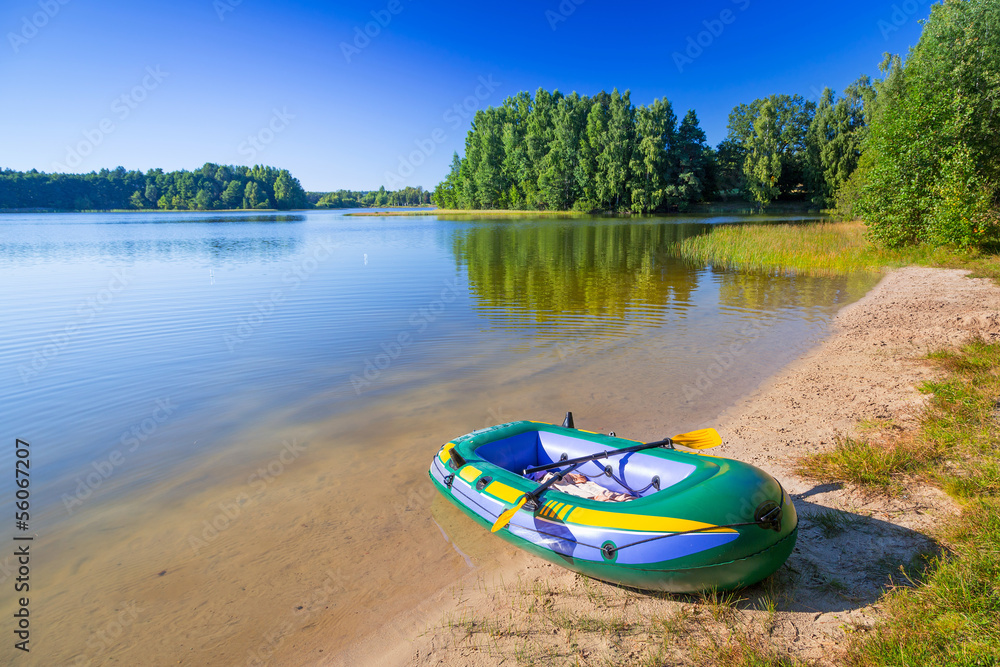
(952, 616)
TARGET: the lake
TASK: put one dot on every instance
(230, 415)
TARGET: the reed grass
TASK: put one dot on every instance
(811, 248)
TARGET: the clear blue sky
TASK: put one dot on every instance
(200, 77)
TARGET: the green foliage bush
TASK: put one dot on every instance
(931, 159)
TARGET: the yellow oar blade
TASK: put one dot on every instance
(706, 438)
(505, 518)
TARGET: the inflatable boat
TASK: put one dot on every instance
(694, 522)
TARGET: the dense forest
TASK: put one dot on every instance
(601, 153)
(915, 154)
(212, 187)
(561, 152)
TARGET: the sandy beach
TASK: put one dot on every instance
(851, 545)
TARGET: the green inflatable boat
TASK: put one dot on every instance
(696, 522)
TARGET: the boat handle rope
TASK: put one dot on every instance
(767, 521)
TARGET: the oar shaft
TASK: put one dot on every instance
(595, 457)
(552, 480)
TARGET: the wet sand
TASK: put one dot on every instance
(867, 370)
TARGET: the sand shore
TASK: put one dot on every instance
(865, 372)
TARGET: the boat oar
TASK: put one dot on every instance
(703, 439)
(507, 515)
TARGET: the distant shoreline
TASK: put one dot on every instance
(477, 213)
(188, 210)
(705, 208)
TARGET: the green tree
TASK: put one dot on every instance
(655, 131)
(615, 156)
(833, 143)
(232, 196)
(793, 116)
(590, 147)
(137, 200)
(253, 196)
(690, 157)
(152, 193)
(288, 192)
(821, 132)
(931, 163)
(729, 159)
(557, 185)
(446, 192)
(763, 161)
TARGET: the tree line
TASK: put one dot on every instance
(601, 153)
(211, 187)
(381, 198)
(914, 154)
(561, 152)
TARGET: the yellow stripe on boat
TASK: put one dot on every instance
(504, 492)
(470, 473)
(549, 509)
(445, 453)
(553, 509)
(654, 524)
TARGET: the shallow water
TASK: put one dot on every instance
(231, 416)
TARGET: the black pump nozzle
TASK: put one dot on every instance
(568, 422)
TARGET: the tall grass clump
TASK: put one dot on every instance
(816, 248)
(953, 616)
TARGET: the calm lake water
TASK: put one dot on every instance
(230, 416)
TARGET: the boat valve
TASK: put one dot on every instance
(768, 515)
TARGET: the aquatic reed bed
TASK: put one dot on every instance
(812, 248)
